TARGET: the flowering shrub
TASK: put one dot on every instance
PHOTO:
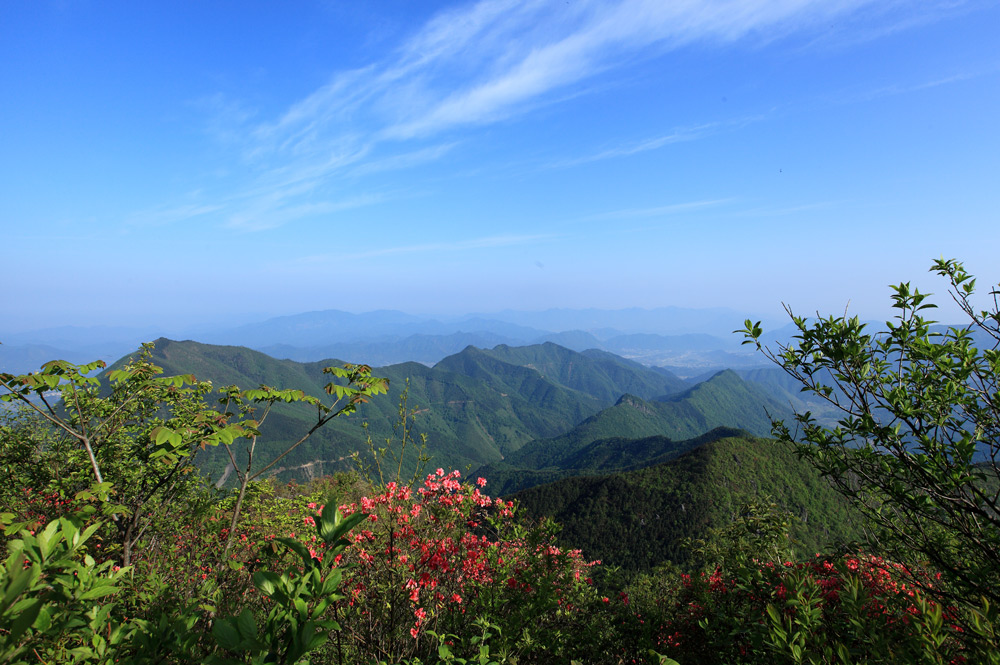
(827, 610)
(435, 561)
(38, 508)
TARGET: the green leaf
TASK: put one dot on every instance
(316, 640)
(26, 617)
(44, 620)
(161, 435)
(266, 582)
(246, 625)
(99, 592)
(226, 635)
(332, 526)
(299, 549)
(18, 580)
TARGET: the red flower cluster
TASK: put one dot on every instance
(438, 553)
(39, 508)
(885, 597)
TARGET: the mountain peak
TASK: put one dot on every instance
(635, 402)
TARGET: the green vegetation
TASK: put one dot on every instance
(722, 547)
(597, 373)
(474, 407)
(662, 426)
(918, 436)
(641, 518)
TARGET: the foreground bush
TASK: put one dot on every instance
(843, 610)
(438, 573)
(446, 574)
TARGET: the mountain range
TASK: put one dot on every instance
(522, 408)
(725, 400)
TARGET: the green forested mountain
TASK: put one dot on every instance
(725, 400)
(600, 457)
(638, 519)
(630, 417)
(787, 390)
(469, 419)
(597, 373)
(475, 406)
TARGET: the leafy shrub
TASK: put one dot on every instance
(917, 445)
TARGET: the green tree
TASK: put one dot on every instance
(125, 431)
(916, 444)
(360, 386)
(139, 431)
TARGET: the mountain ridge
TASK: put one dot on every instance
(474, 406)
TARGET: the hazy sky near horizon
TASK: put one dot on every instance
(195, 162)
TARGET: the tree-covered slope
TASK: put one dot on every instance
(479, 407)
(725, 400)
(600, 457)
(786, 390)
(640, 518)
(598, 373)
(630, 418)
(543, 402)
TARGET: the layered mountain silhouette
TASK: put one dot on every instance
(478, 406)
(724, 400)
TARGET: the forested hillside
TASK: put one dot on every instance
(598, 373)
(640, 518)
(722, 401)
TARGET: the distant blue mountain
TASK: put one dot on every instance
(689, 342)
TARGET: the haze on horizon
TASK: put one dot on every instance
(192, 163)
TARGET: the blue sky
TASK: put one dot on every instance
(207, 162)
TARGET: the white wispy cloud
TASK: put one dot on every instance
(904, 88)
(404, 160)
(636, 147)
(269, 214)
(487, 242)
(886, 18)
(679, 135)
(470, 66)
(165, 216)
(656, 211)
(787, 210)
